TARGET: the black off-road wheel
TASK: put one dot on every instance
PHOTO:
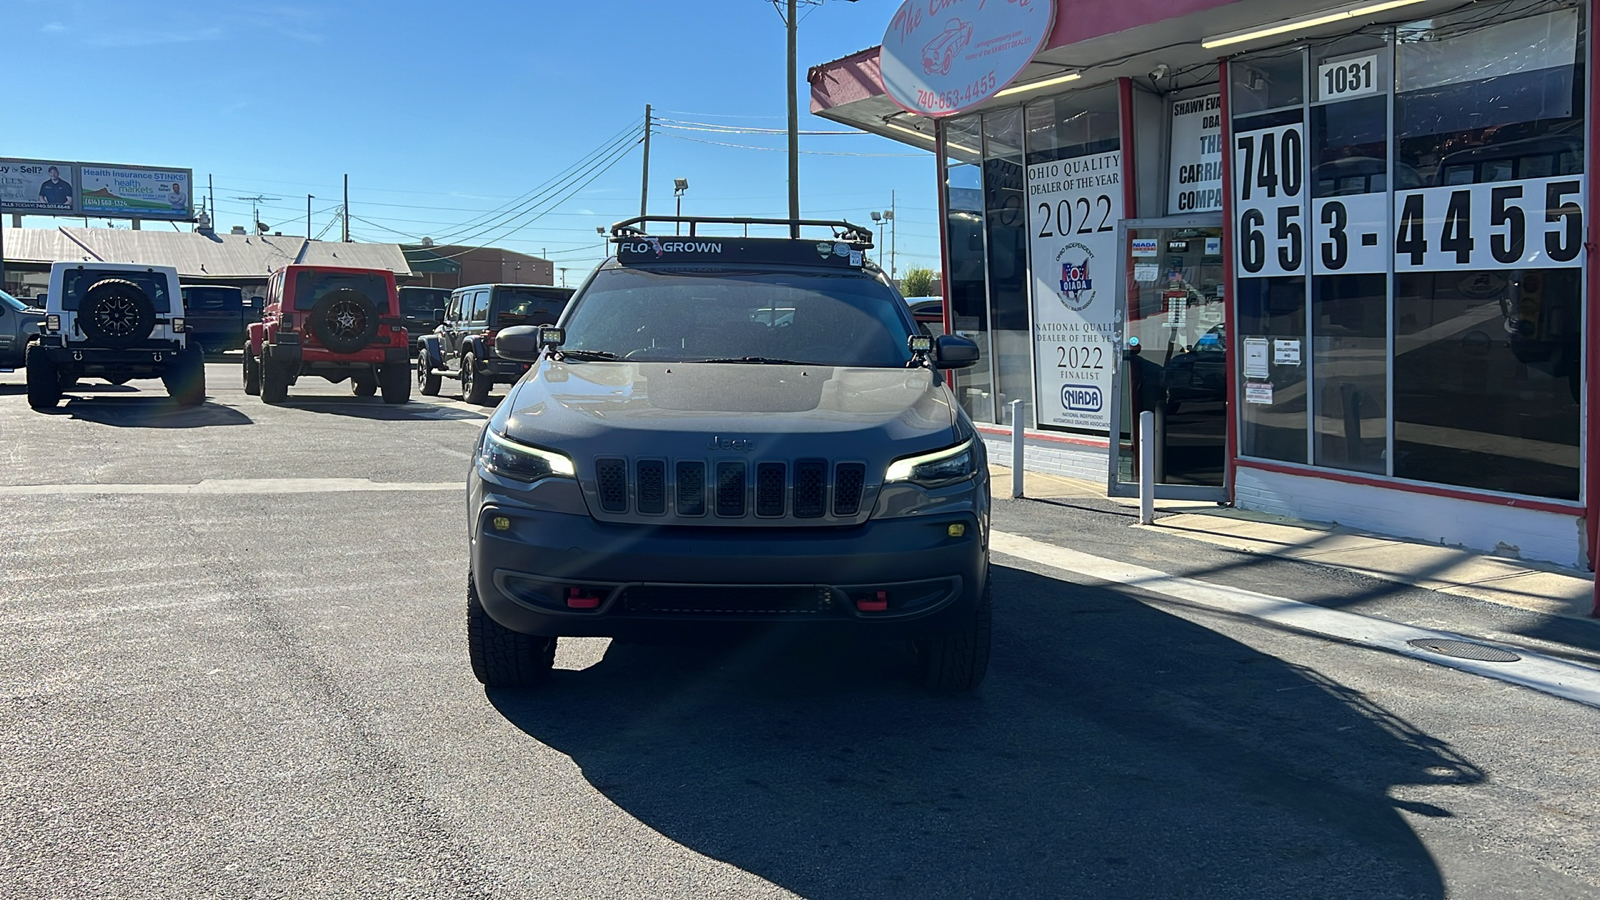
(252, 374)
(116, 314)
(395, 378)
(364, 385)
(185, 378)
(274, 381)
(474, 386)
(44, 379)
(344, 321)
(957, 661)
(427, 379)
(502, 658)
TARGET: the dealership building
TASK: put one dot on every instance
(1339, 252)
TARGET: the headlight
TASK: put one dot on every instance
(510, 459)
(940, 467)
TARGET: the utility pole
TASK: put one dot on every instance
(309, 198)
(893, 233)
(211, 188)
(644, 187)
(794, 126)
(346, 215)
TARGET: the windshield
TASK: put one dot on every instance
(423, 301)
(816, 318)
(519, 306)
(309, 287)
(212, 298)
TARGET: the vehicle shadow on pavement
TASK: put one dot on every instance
(375, 409)
(150, 411)
(1115, 751)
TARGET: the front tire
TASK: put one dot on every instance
(252, 374)
(186, 378)
(957, 661)
(44, 379)
(474, 389)
(427, 378)
(502, 658)
(396, 381)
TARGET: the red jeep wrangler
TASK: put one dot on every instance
(334, 322)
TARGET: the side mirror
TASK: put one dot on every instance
(438, 317)
(952, 351)
(521, 343)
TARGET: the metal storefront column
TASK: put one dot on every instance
(1230, 334)
(1591, 325)
(942, 170)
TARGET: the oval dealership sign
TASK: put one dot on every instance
(940, 57)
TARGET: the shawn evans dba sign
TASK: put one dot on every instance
(940, 57)
(1073, 209)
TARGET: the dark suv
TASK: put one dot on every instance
(463, 347)
(725, 431)
(333, 322)
(418, 306)
(216, 316)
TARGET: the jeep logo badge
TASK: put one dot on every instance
(721, 443)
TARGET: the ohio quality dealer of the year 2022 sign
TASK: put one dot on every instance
(1073, 209)
(940, 57)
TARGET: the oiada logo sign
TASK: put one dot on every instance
(1077, 288)
(940, 57)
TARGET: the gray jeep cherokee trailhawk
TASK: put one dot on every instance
(723, 431)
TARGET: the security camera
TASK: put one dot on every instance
(1159, 72)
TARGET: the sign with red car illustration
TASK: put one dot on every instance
(940, 57)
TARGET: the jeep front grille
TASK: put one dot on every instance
(730, 489)
(810, 488)
(652, 487)
(848, 481)
(815, 489)
(691, 488)
(771, 481)
(611, 480)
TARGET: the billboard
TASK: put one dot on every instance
(45, 187)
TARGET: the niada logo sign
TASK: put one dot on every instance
(1082, 398)
(1077, 288)
(940, 57)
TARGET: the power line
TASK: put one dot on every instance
(684, 137)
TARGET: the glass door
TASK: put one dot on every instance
(1174, 359)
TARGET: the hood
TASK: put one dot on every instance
(678, 409)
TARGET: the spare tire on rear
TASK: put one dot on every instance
(116, 314)
(344, 321)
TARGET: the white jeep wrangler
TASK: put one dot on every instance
(117, 321)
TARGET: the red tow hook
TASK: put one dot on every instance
(879, 603)
(577, 599)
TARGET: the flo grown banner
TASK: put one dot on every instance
(134, 193)
(1073, 209)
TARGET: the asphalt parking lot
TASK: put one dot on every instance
(234, 665)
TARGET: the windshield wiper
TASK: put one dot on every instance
(587, 355)
(761, 360)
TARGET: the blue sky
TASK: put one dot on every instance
(440, 112)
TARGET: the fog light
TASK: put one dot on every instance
(957, 530)
(501, 523)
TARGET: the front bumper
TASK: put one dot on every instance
(505, 370)
(893, 577)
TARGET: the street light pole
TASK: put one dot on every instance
(794, 126)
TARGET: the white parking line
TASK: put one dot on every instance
(237, 486)
(1542, 673)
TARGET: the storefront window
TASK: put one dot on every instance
(965, 239)
(1008, 263)
(1488, 327)
(1439, 229)
(1349, 146)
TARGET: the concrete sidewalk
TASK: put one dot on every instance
(1532, 586)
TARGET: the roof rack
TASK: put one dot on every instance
(854, 235)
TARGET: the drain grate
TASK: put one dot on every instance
(1464, 650)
